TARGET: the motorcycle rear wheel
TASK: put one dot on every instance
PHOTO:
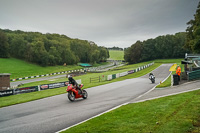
(71, 96)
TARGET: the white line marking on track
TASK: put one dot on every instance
(166, 95)
(93, 117)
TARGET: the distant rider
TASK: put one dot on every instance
(151, 76)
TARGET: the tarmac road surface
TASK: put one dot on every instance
(36, 79)
(55, 113)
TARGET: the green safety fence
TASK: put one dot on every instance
(114, 76)
(194, 75)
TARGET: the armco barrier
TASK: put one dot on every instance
(25, 90)
(35, 88)
(123, 74)
(113, 76)
(117, 75)
(109, 77)
(53, 85)
(6, 93)
(46, 75)
(131, 71)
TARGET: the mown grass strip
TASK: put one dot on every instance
(116, 55)
(19, 68)
(166, 83)
(172, 114)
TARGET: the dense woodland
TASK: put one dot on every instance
(193, 33)
(49, 49)
(168, 46)
(162, 47)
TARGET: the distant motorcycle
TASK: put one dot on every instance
(74, 93)
(152, 77)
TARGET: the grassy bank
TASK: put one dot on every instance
(116, 55)
(19, 68)
(173, 114)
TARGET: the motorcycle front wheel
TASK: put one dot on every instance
(85, 95)
(71, 96)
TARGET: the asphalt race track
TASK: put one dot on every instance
(55, 113)
(36, 79)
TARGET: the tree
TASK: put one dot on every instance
(149, 50)
(4, 46)
(55, 56)
(104, 54)
(134, 53)
(18, 47)
(193, 33)
(39, 53)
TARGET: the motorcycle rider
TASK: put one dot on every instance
(151, 76)
(74, 83)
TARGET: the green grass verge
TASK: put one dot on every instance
(26, 97)
(19, 68)
(116, 55)
(173, 114)
(100, 64)
(168, 60)
(167, 83)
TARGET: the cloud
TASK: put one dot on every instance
(106, 22)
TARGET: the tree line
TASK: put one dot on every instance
(193, 33)
(162, 47)
(168, 46)
(49, 49)
(116, 48)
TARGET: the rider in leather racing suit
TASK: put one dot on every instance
(74, 83)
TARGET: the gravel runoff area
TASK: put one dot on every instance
(168, 91)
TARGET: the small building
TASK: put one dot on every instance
(84, 64)
(4, 81)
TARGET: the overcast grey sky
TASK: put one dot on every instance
(106, 22)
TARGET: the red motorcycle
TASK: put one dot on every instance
(74, 93)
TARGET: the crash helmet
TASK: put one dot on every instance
(70, 77)
(150, 74)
